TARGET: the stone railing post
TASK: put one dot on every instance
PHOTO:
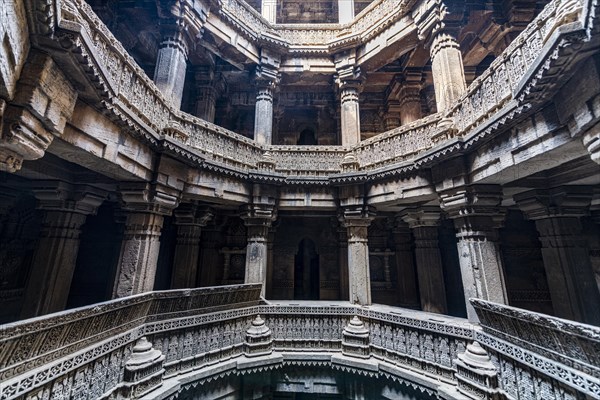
(143, 370)
(557, 213)
(146, 205)
(356, 220)
(66, 208)
(189, 219)
(267, 79)
(476, 213)
(424, 223)
(349, 83)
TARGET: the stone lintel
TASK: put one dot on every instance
(563, 201)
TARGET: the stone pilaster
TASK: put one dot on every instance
(349, 83)
(146, 205)
(410, 98)
(356, 220)
(424, 223)
(407, 278)
(259, 218)
(476, 213)
(557, 213)
(189, 219)
(206, 92)
(44, 100)
(65, 208)
(267, 79)
(345, 11)
(171, 63)
(391, 117)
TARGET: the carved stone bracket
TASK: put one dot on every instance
(44, 101)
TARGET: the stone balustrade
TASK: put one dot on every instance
(493, 99)
(165, 341)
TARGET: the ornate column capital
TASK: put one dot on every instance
(149, 198)
(429, 16)
(66, 197)
(193, 214)
(426, 216)
(563, 201)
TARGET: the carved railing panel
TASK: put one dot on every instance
(30, 344)
(532, 350)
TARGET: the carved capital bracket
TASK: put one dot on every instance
(426, 216)
(475, 209)
(591, 141)
(564, 201)
(267, 76)
(429, 16)
(44, 101)
(193, 214)
(66, 197)
(151, 198)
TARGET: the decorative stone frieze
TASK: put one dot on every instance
(477, 376)
(65, 207)
(565, 250)
(44, 101)
(424, 222)
(259, 341)
(477, 216)
(355, 342)
(143, 370)
(189, 219)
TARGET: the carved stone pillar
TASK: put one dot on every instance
(446, 59)
(206, 93)
(410, 98)
(267, 79)
(65, 209)
(189, 219)
(345, 11)
(407, 278)
(356, 221)
(146, 207)
(565, 250)
(391, 118)
(447, 69)
(349, 83)
(42, 91)
(476, 213)
(432, 290)
(343, 257)
(171, 63)
(258, 218)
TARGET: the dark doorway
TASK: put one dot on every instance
(306, 271)
(307, 137)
